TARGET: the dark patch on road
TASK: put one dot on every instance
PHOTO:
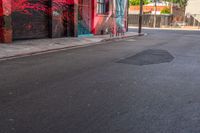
(147, 57)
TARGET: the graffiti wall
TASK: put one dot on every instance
(44, 17)
(62, 15)
(114, 19)
(25, 19)
(38, 18)
(5, 21)
(84, 17)
(103, 23)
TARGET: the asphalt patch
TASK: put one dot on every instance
(148, 57)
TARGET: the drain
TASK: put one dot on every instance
(148, 57)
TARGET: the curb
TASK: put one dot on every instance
(65, 48)
(43, 52)
(122, 37)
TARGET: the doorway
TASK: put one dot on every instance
(84, 17)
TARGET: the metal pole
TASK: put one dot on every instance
(140, 17)
(155, 10)
(127, 19)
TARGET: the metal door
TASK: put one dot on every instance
(30, 19)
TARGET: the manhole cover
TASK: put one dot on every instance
(147, 57)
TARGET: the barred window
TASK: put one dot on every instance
(102, 6)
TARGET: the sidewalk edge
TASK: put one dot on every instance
(65, 48)
(122, 37)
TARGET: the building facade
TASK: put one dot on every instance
(30, 19)
(193, 7)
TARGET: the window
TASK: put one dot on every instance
(102, 6)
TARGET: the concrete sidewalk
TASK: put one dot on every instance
(36, 46)
(184, 28)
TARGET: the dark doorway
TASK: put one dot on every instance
(84, 17)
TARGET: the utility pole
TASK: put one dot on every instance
(140, 17)
(155, 10)
(127, 15)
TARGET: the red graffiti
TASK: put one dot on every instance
(25, 6)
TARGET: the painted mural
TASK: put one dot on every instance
(121, 10)
(84, 17)
(103, 23)
(114, 20)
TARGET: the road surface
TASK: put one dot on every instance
(148, 84)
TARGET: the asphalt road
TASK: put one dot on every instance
(106, 88)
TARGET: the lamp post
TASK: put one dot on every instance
(140, 17)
